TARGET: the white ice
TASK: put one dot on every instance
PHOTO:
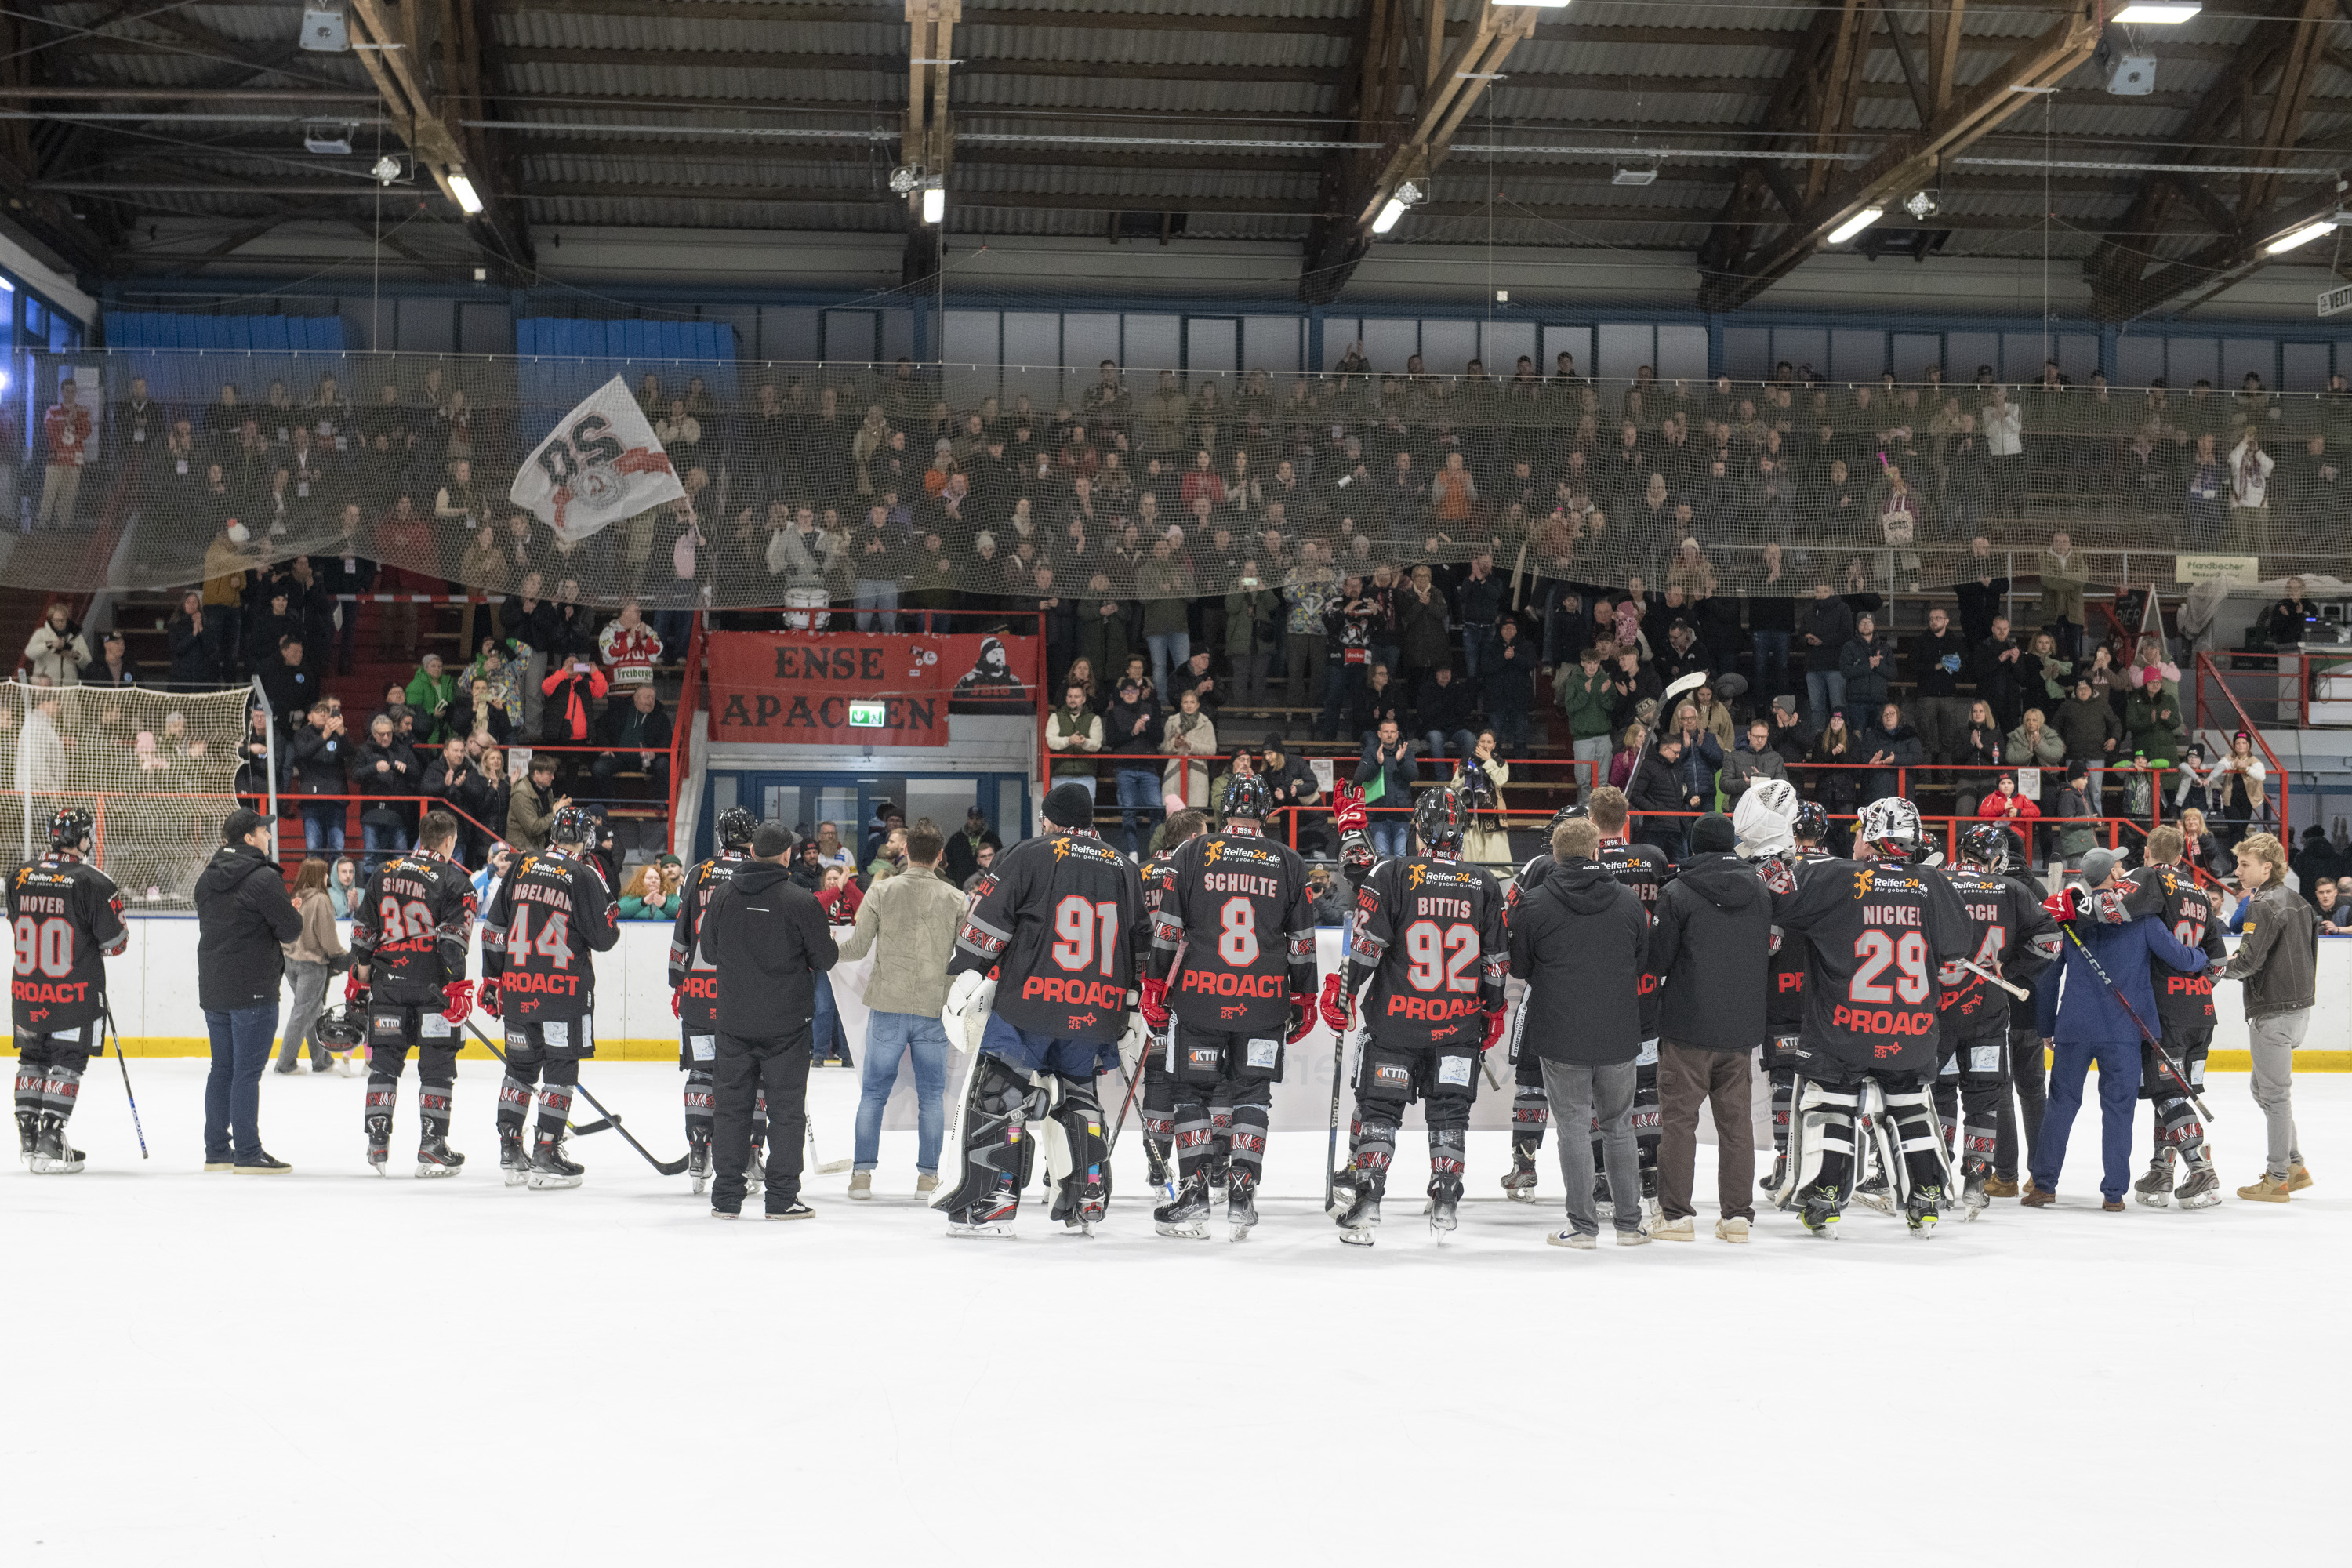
(331, 1368)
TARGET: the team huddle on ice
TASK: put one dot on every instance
(1894, 994)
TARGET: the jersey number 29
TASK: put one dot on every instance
(1874, 951)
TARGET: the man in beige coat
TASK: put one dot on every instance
(913, 917)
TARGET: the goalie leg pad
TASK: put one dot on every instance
(995, 1147)
(1821, 1136)
(1077, 1126)
(1924, 1158)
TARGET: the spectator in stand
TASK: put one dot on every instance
(831, 850)
(1073, 734)
(455, 779)
(1981, 594)
(1382, 698)
(1997, 666)
(321, 769)
(1977, 744)
(65, 433)
(2086, 721)
(646, 899)
(431, 693)
(1443, 711)
(1481, 600)
(1254, 615)
(1509, 683)
(1189, 739)
(1660, 790)
(637, 730)
(571, 689)
(1891, 743)
(1589, 698)
(1754, 759)
(531, 808)
(1632, 746)
(1130, 727)
(1292, 782)
(288, 680)
(2288, 621)
(1827, 627)
(2032, 744)
(1193, 675)
(1772, 623)
(2237, 787)
(57, 651)
(1835, 783)
(1939, 657)
(2152, 722)
(2204, 852)
(2064, 575)
(2002, 424)
(1421, 627)
(964, 846)
(1386, 773)
(2327, 901)
(2003, 803)
(629, 648)
(890, 858)
(2077, 831)
(385, 772)
(480, 719)
(2250, 507)
(112, 669)
(1867, 663)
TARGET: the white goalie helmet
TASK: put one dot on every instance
(1763, 818)
(1891, 827)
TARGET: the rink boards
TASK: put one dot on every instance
(153, 993)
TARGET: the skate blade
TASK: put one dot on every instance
(2153, 1200)
(2211, 1200)
(55, 1167)
(1077, 1227)
(517, 1178)
(978, 1231)
(380, 1168)
(428, 1173)
(1973, 1213)
(1183, 1232)
(1239, 1232)
(1362, 1237)
(551, 1183)
(1520, 1194)
(699, 1183)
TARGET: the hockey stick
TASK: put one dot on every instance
(822, 1166)
(666, 1167)
(1331, 1149)
(2154, 1043)
(125, 1065)
(2020, 992)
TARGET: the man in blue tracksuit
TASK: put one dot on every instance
(2079, 1014)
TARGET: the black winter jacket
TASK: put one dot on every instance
(243, 914)
(1578, 939)
(1713, 943)
(768, 941)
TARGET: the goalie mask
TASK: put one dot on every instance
(1437, 821)
(1762, 819)
(1891, 827)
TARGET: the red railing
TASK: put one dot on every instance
(2210, 676)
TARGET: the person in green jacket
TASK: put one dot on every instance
(1591, 704)
(430, 692)
(1253, 631)
(2152, 720)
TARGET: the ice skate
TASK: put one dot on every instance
(434, 1158)
(698, 1165)
(1442, 1217)
(1519, 1181)
(380, 1154)
(1779, 1174)
(1360, 1221)
(1973, 1200)
(1187, 1217)
(1603, 1205)
(1241, 1210)
(52, 1154)
(1652, 1212)
(753, 1177)
(1820, 1211)
(549, 1171)
(514, 1160)
(1923, 1210)
(2154, 1189)
(992, 1219)
(2202, 1190)
(1343, 1191)
(28, 1134)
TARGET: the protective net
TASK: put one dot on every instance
(158, 770)
(952, 487)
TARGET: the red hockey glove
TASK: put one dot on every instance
(2059, 905)
(1155, 1003)
(1495, 1023)
(2105, 905)
(488, 1000)
(460, 997)
(1778, 937)
(1348, 807)
(1339, 1008)
(673, 1004)
(1302, 1017)
(354, 988)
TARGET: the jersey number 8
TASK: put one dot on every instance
(47, 946)
(1237, 933)
(1075, 923)
(1874, 950)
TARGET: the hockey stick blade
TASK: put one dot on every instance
(666, 1167)
(582, 1129)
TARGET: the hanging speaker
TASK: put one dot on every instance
(325, 29)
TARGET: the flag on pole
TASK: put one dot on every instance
(600, 464)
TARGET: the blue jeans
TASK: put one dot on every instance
(1465, 742)
(826, 1028)
(382, 843)
(1341, 683)
(1391, 835)
(322, 827)
(1479, 646)
(1139, 802)
(1510, 727)
(2118, 1103)
(923, 1035)
(241, 1042)
(1169, 651)
(1772, 660)
(1025, 1052)
(1824, 689)
(878, 599)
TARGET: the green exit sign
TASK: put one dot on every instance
(865, 716)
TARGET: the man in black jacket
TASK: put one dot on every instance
(768, 940)
(321, 752)
(288, 680)
(1579, 938)
(637, 728)
(1657, 786)
(1441, 713)
(243, 918)
(1939, 658)
(1995, 668)
(1713, 944)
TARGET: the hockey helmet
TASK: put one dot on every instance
(1811, 822)
(1987, 845)
(342, 1027)
(573, 825)
(735, 827)
(1248, 797)
(72, 828)
(1762, 818)
(1576, 813)
(1890, 825)
(1438, 821)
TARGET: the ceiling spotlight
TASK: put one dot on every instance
(2156, 12)
(1408, 195)
(1855, 224)
(1636, 174)
(327, 139)
(462, 188)
(906, 179)
(386, 170)
(2301, 236)
(935, 204)
(1921, 205)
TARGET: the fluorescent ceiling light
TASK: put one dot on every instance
(463, 189)
(2158, 13)
(1855, 224)
(2303, 236)
(1388, 215)
(1544, 4)
(935, 204)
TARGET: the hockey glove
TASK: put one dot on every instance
(458, 995)
(487, 1000)
(354, 988)
(1302, 1017)
(1495, 1022)
(1348, 807)
(2105, 905)
(1339, 1008)
(1154, 1006)
(1776, 875)
(1777, 939)
(2059, 905)
(673, 1001)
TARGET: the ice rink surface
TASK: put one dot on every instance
(330, 1368)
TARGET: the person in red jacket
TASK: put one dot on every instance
(65, 433)
(629, 647)
(2005, 804)
(571, 687)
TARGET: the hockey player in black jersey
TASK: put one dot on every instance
(410, 933)
(694, 987)
(1772, 822)
(1428, 957)
(2184, 1006)
(1885, 932)
(539, 978)
(2013, 936)
(1643, 868)
(67, 920)
(1059, 922)
(1158, 1091)
(1231, 978)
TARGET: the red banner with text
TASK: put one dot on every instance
(857, 690)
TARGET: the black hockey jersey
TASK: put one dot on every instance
(2010, 933)
(1879, 936)
(2183, 1001)
(1237, 907)
(691, 973)
(1784, 1009)
(1431, 937)
(1644, 868)
(549, 918)
(66, 918)
(1060, 918)
(413, 927)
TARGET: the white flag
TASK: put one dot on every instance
(599, 465)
